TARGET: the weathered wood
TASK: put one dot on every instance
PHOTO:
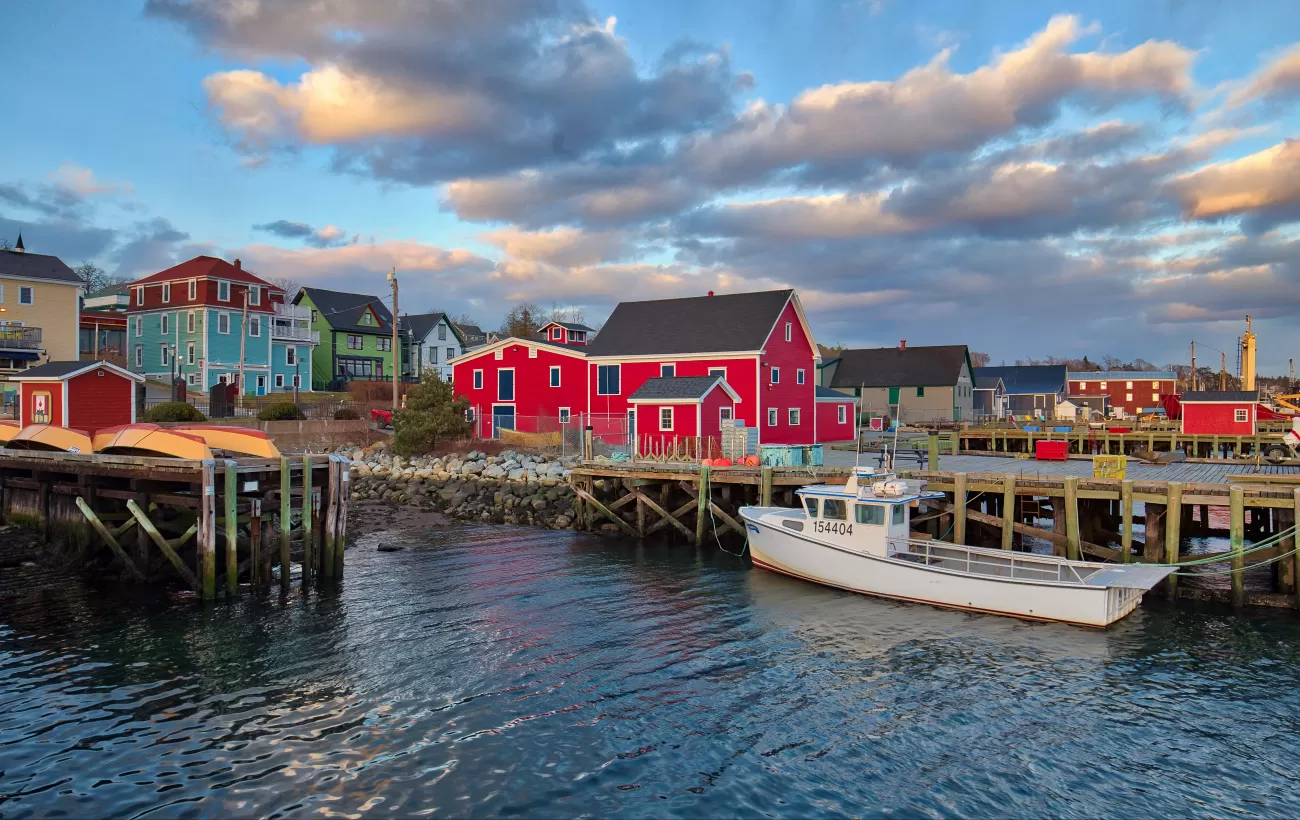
(704, 501)
(1073, 541)
(108, 538)
(765, 487)
(726, 519)
(1173, 523)
(1008, 509)
(207, 542)
(664, 515)
(232, 526)
(1126, 521)
(286, 522)
(958, 506)
(308, 513)
(603, 510)
(640, 511)
(1237, 543)
(151, 532)
(1295, 542)
(933, 452)
(255, 544)
(341, 529)
(675, 519)
(331, 513)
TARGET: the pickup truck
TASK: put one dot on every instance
(383, 418)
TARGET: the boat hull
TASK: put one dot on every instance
(779, 550)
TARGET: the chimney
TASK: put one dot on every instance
(239, 265)
(902, 344)
(710, 293)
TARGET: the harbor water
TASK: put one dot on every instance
(504, 671)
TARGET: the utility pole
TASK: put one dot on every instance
(297, 378)
(397, 347)
(1223, 370)
(1193, 366)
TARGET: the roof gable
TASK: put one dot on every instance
(343, 311)
(1028, 379)
(205, 267)
(933, 366)
(681, 388)
(60, 371)
(730, 323)
(37, 266)
(576, 351)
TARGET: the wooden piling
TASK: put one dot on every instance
(1126, 521)
(1008, 509)
(150, 531)
(765, 487)
(1295, 542)
(207, 543)
(112, 543)
(959, 508)
(1072, 538)
(308, 512)
(933, 446)
(702, 503)
(255, 544)
(286, 521)
(1237, 543)
(331, 514)
(1173, 523)
(341, 527)
(232, 526)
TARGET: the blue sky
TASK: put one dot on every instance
(1104, 178)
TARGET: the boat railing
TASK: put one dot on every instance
(988, 563)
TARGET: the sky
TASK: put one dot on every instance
(1107, 178)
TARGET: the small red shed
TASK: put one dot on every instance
(85, 396)
(1219, 413)
(669, 410)
(835, 420)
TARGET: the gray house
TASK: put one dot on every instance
(1031, 390)
(911, 384)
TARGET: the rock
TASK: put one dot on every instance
(472, 468)
(609, 528)
(563, 522)
(384, 546)
(494, 471)
(516, 474)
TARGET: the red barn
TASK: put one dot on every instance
(759, 343)
(85, 396)
(1133, 391)
(522, 384)
(1219, 413)
(668, 411)
(835, 420)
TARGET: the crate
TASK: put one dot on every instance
(1052, 450)
(812, 455)
(1109, 466)
(735, 440)
(780, 455)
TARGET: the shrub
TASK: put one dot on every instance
(281, 411)
(346, 414)
(174, 411)
(432, 411)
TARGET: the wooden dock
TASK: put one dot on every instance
(238, 520)
(1088, 441)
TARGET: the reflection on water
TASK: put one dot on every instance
(515, 672)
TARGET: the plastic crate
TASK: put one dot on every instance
(1031, 428)
(1052, 450)
(780, 455)
(812, 455)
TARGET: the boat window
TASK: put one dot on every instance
(833, 509)
(871, 514)
(810, 504)
(898, 513)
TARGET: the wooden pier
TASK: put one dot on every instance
(1089, 518)
(1090, 441)
(238, 520)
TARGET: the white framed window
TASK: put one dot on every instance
(718, 371)
(354, 342)
(532, 353)
(139, 326)
(189, 322)
(192, 379)
(776, 375)
(564, 415)
(555, 376)
(163, 323)
(557, 333)
(26, 295)
(798, 376)
(478, 379)
(794, 416)
(291, 356)
(499, 354)
(223, 291)
(139, 295)
(667, 371)
(383, 343)
(139, 355)
(789, 331)
(1128, 397)
(193, 289)
(1155, 385)
(1155, 397)
(165, 360)
(1083, 386)
(771, 417)
(842, 414)
(254, 325)
(189, 353)
(1103, 385)
(279, 380)
(254, 295)
(223, 323)
(1241, 416)
(167, 291)
(724, 415)
(442, 332)
(1128, 385)
(297, 380)
(665, 418)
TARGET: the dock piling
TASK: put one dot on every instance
(1236, 541)
(1126, 521)
(1008, 509)
(308, 513)
(286, 521)
(959, 508)
(232, 526)
(1072, 538)
(1173, 523)
(208, 529)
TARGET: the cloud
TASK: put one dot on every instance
(83, 182)
(1263, 186)
(326, 237)
(1276, 80)
(564, 247)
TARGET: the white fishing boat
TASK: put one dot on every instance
(858, 537)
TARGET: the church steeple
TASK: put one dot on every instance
(19, 247)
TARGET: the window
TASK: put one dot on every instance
(771, 417)
(194, 289)
(165, 360)
(718, 371)
(314, 316)
(555, 377)
(789, 331)
(1083, 386)
(798, 376)
(1155, 397)
(451, 353)
(279, 380)
(383, 343)
(189, 322)
(167, 291)
(667, 371)
(254, 295)
(223, 322)
(254, 325)
(1128, 385)
(478, 379)
(564, 415)
(139, 326)
(223, 291)
(794, 416)
(776, 375)
(25, 295)
(139, 295)
(139, 355)
(665, 418)
(1241, 416)
(1103, 385)
(810, 504)
(291, 356)
(873, 514)
(896, 514)
(162, 322)
(842, 414)
(724, 415)
(192, 379)
(354, 342)
(189, 353)
(297, 381)
(1128, 397)
(505, 385)
(834, 509)
(557, 333)
(920, 392)
(442, 333)
(607, 376)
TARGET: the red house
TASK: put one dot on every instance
(1220, 413)
(521, 384)
(669, 410)
(835, 420)
(85, 396)
(1133, 391)
(567, 333)
(759, 343)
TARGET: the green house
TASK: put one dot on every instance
(356, 335)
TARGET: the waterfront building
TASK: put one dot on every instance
(38, 295)
(1029, 390)
(910, 384)
(522, 384)
(1132, 391)
(1220, 412)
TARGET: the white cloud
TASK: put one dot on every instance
(1277, 79)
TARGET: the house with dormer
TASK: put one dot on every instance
(356, 333)
(567, 333)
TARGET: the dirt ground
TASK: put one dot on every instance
(365, 517)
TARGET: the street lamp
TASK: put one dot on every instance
(397, 347)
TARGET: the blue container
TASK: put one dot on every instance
(1031, 428)
(1063, 429)
(812, 455)
(780, 455)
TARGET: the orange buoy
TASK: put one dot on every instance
(753, 461)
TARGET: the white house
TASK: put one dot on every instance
(432, 341)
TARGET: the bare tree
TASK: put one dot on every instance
(289, 286)
(523, 320)
(455, 318)
(96, 278)
(979, 359)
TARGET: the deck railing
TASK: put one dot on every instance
(20, 338)
(980, 562)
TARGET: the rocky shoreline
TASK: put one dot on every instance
(509, 488)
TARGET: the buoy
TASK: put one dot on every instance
(721, 462)
(753, 461)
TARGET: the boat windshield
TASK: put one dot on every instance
(810, 504)
(834, 509)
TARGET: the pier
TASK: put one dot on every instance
(1093, 441)
(211, 524)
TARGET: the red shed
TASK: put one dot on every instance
(669, 411)
(522, 384)
(1219, 413)
(835, 420)
(82, 395)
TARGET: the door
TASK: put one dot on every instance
(503, 418)
(261, 385)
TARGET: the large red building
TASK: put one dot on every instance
(1133, 391)
(522, 384)
(1219, 413)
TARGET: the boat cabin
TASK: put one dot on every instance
(871, 508)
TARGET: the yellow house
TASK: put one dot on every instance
(40, 303)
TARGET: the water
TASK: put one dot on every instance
(500, 671)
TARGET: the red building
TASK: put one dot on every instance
(85, 396)
(567, 333)
(522, 384)
(668, 410)
(759, 343)
(1133, 391)
(1219, 413)
(835, 420)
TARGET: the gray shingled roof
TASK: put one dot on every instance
(344, 310)
(37, 266)
(933, 366)
(827, 393)
(676, 387)
(573, 326)
(698, 324)
(421, 324)
(1219, 395)
(1022, 380)
(56, 370)
(984, 381)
